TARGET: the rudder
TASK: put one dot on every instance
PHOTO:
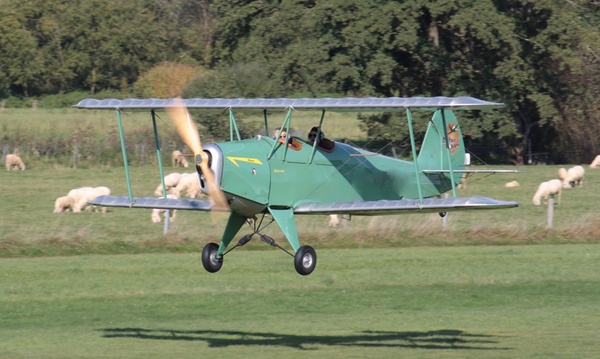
(443, 150)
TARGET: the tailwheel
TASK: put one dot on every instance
(209, 258)
(305, 260)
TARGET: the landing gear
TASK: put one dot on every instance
(209, 258)
(305, 260)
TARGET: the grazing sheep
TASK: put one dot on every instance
(66, 203)
(90, 195)
(171, 181)
(511, 184)
(546, 189)
(77, 193)
(178, 159)
(334, 220)
(188, 184)
(13, 161)
(156, 211)
(574, 177)
(562, 174)
(596, 162)
(63, 204)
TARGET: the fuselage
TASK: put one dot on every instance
(294, 174)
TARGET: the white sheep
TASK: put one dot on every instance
(574, 177)
(188, 184)
(562, 174)
(334, 220)
(157, 211)
(178, 159)
(171, 181)
(596, 162)
(546, 189)
(13, 161)
(66, 203)
(63, 204)
(90, 195)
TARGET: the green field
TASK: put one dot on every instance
(535, 301)
(493, 284)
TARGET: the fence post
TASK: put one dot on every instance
(75, 153)
(143, 154)
(4, 153)
(550, 211)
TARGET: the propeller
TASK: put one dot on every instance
(189, 134)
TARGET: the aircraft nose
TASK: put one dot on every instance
(215, 163)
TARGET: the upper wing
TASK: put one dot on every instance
(382, 207)
(345, 104)
(152, 202)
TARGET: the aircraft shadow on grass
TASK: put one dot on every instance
(437, 339)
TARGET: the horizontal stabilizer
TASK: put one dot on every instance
(152, 202)
(383, 207)
(344, 104)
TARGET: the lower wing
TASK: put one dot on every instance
(383, 207)
(152, 202)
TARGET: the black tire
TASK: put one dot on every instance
(305, 260)
(209, 258)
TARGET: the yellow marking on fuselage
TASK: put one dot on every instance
(235, 160)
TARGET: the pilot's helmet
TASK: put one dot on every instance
(315, 130)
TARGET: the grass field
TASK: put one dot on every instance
(28, 226)
(493, 284)
(538, 301)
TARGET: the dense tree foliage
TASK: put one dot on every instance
(541, 58)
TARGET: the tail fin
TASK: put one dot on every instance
(443, 149)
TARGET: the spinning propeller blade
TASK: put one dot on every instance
(189, 134)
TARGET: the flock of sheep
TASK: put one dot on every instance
(177, 185)
(571, 178)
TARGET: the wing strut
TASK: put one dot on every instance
(314, 149)
(447, 150)
(124, 151)
(414, 152)
(161, 171)
(285, 126)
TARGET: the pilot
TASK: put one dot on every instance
(291, 142)
(282, 136)
(323, 143)
(312, 136)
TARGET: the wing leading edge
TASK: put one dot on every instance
(384, 207)
(344, 104)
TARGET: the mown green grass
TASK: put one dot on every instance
(427, 302)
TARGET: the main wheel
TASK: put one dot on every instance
(305, 260)
(209, 258)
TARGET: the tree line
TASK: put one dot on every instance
(540, 57)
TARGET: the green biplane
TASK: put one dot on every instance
(262, 177)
